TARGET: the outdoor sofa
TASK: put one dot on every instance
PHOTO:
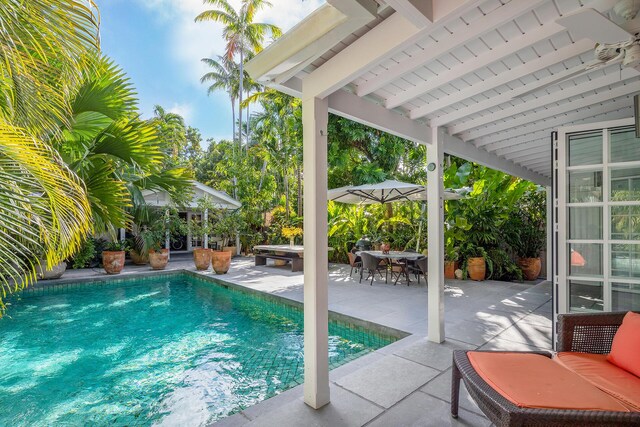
(582, 384)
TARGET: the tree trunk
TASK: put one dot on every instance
(241, 90)
(233, 117)
(286, 192)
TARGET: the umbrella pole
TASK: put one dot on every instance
(420, 228)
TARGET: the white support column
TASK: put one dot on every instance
(315, 115)
(122, 234)
(205, 237)
(189, 234)
(435, 211)
(549, 235)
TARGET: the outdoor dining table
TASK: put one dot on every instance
(395, 256)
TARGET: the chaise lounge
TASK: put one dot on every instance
(594, 379)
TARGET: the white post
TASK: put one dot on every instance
(549, 274)
(122, 234)
(316, 262)
(189, 234)
(435, 222)
(205, 238)
(238, 244)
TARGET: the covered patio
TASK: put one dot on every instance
(487, 81)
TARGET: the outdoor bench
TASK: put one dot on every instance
(578, 386)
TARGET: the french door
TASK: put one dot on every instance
(598, 217)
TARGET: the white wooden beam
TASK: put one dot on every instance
(475, 63)
(435, 237)
(367, 112)
(542, 151)
(521, 150)
(315, 117)
(547, 99)
(418, 12)
(384, 40)
(602, 96)
(491, 83)
(474, 30)
(465, 150)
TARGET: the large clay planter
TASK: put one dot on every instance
(232, 249)
(530, 267)
(113, 261)
(221, 261)
(450, 268)
(280, 262)
(385, 247)
(54, 272)
(159, 259)
(202, 258)
(137, 258)
(477, 268)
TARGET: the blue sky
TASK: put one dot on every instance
(159, 46)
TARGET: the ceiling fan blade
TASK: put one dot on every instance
(590, 24)
(557, 78)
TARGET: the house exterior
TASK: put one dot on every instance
(186, 243)
(515, 85)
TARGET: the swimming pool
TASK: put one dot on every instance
(175, 349)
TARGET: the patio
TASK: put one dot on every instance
(407, 382)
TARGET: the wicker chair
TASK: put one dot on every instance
(372, 265)
(355, 262)
(586, 333)
(419, 268)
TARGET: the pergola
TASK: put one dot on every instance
(488, 81)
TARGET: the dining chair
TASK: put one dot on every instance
(372, 265)
(420, 268)
(355, 261)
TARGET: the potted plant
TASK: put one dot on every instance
(165, 223)
(201, 255)
(137, 252)
(526, 234)
(454, 235)
(226, 225)
(291, 233)
(476, 262)
(113, 256)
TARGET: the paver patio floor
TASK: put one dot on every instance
(408, 382)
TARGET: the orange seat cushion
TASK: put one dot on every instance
(535, 381)
(607, 377)
(625, 350)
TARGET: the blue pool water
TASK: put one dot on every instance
(172, 349)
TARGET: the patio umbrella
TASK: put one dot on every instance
(384, 192)
(387, 192)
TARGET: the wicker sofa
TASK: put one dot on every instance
(577, 334)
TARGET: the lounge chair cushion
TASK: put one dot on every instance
(625, 350)
(607, 377)
(536, 381)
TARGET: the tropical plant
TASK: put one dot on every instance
(241, 33)
(115, 153)
(44, 212)
(226, 77)
(471, 250)
(525, 231)
(117, 246)
(85, 255)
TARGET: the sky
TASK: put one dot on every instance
(159, 46)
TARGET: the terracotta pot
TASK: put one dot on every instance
(221, 261)
(477, 268)
(202, 258)
(54, 272)
(385, 247)
(113, 261)
(232, 249)
(450, 268)
(280, 262)
(159, 259)
(530, 267)
(137, 258)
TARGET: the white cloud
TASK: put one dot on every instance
(192, 41)
(184, 109)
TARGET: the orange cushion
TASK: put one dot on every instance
(625, 350)
(535, 381)
(607, 377)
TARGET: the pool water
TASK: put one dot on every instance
(171, 349)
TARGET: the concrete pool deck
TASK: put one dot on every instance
(405, 383)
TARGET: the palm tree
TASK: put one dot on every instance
(241, 34)
(116, 154)
(44, 211)
(224, 76)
